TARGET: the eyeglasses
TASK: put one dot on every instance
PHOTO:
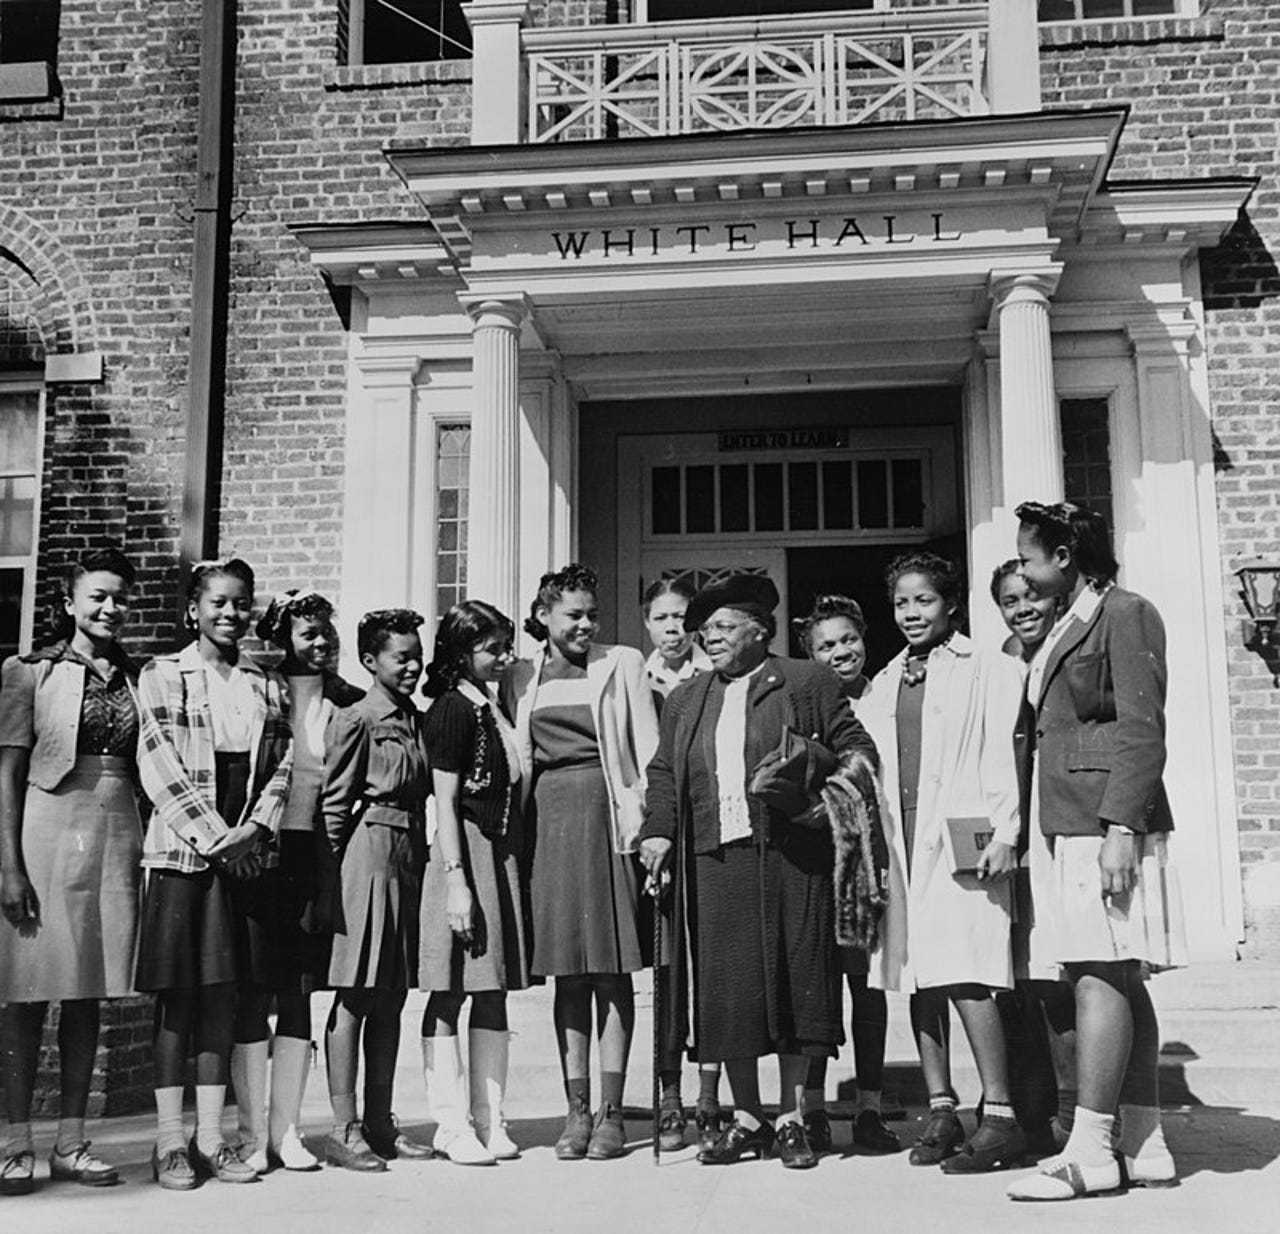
(724, 628)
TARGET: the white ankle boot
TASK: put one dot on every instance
(490, 1050)
(447, 1102)
(290, 1060)
(249, 1076)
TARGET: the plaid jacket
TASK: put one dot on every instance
(176, 763)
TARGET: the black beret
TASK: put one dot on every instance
(749, 593)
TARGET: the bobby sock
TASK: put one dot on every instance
(709, 1087)
(579, 1088)
(996, 1109)
(1141, 1134)
(70, 1135)
(20, 1138)
(867, 1099)
(611, 1085)
(1090, 1142)
(942, 1101)
(344, 1112)
(746, 1119)
(169, 1133)
(210, 1098)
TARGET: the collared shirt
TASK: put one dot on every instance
(731, 759)
(1083, 609)
(177, 766)
(664, 679)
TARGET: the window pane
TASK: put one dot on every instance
(1086, 453)
(768, 477)
(735, 511)
(402, 31)
(453, 473)
(29, 31)
(908, 492)
(837, 496)
(17, 515)
(802, 496)
(1057, 10)
(19, 420)
(873, 493)
(10, 611)
(700, 499)
(665, 486)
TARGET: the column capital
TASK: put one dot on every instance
(494, 12)
(1023, 286)
(502, 312)
(388, 371)
(1161, 338)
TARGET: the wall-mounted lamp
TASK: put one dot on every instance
(1260, 590)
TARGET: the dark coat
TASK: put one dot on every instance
(682, 805)
(1099, 734)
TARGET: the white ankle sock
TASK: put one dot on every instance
(1090, 1142)
(749, 1121)
(70, 1135)
(791, 1116)
(20, 1140)
(169, 1133)
(996, 1109)
(210, 1098)
(1141, 1134)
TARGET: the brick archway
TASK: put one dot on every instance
(47, 282)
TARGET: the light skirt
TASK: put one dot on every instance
(1075, 923)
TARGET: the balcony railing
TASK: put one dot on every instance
(903, 60)
(659, 79)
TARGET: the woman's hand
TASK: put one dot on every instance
(459, 905)
(1118, 863)
(998, 860)
(654, 854)
(18, 899)
(239, 842)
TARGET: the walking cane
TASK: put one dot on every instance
(655, 890)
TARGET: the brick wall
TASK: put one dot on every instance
(1204, 95)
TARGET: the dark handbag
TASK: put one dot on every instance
(792, 774)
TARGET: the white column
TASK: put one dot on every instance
(1030, 435)
(498, 82)
(493, 533)
(1013, 56)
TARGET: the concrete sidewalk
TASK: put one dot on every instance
(1222, 1020)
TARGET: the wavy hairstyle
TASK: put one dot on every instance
(108, 560)
(463, 628)
(665, 587)
(1082, 532)
(824, 609)
(276, 625)
(551, 586)
(202, 575)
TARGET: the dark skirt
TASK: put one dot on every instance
(768, 971)
(188, 923)
(275, 948)
(375, 931)
(497, 956)
(584, 894)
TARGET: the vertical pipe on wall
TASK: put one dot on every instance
(209, 283)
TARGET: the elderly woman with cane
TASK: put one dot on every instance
(759, 924)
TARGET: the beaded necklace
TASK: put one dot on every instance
(916, 668)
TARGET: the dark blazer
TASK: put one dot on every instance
(1099, 734)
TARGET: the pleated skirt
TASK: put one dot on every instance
(82, 846)
(584, 894)
(375, 935)
(497, 957)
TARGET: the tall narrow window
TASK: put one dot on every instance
(402, 31)
(1101, 10)
(1086, 454)
(19, 509)
(453, 461)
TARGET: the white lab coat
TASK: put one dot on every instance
(940, 929)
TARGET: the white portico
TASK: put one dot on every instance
(636, 296)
